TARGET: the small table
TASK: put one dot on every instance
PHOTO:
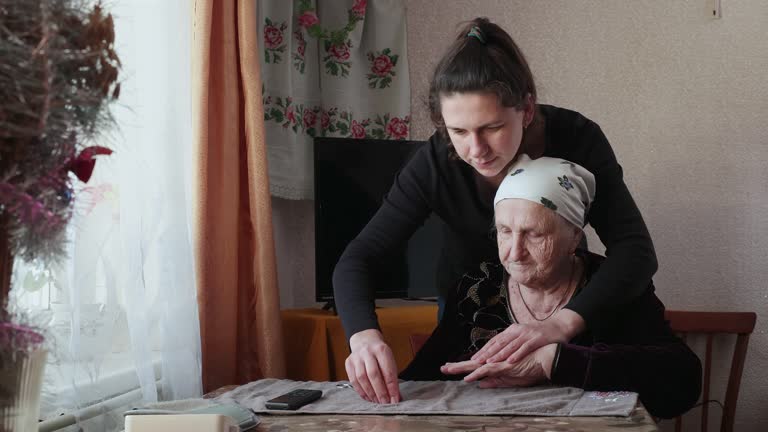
(316, 346)
(638, 421)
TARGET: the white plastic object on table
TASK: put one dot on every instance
(180, 423)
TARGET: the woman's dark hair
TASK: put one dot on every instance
(488, 61)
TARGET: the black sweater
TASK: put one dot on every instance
(632, 349)
(433, 182)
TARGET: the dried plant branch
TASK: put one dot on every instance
(58, 75)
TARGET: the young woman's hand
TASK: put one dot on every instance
(530, 370)
(371, 368)
(519, 340)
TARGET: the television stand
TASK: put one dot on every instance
(331, 306)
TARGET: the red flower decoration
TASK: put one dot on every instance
(83, 164)
(273, 37)
(310, 118)
(325, 120)
(290, 114)
(357, 129)
(397, 128)
(340, 52)
(382, 65)
(358, 9)
(308, 19)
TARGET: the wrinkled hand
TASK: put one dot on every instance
(532, 369)
(520, 340)
(371, 368)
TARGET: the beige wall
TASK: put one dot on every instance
(683, 98)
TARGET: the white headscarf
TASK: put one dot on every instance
(558, 184)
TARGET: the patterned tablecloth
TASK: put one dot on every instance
(452, 398)
(638, 421)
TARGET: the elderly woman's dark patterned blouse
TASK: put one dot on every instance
(483, 303)
(633, 350)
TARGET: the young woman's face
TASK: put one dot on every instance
(484, 133)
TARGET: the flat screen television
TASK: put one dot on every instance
(351, 178)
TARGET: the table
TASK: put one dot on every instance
(316, 347)
(638, 421)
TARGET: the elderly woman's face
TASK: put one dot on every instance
(535, 244)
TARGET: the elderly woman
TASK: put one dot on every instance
(540, 208)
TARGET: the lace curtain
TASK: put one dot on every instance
(329, 68)
(122, 310)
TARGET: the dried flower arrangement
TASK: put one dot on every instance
(58, 74)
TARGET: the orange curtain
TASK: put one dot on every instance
(237, 279)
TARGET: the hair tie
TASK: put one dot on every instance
(476, 33)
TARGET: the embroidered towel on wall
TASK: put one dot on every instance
(329, 68)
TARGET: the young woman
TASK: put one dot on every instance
(482, 100)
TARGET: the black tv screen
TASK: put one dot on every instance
(351, 178)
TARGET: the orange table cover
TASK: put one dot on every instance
(316, 346)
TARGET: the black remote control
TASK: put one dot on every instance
(294, 399)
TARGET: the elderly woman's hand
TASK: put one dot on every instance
(519, 340)
(532, 369)
(371, 368)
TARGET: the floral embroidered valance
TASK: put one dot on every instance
(329, 68)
